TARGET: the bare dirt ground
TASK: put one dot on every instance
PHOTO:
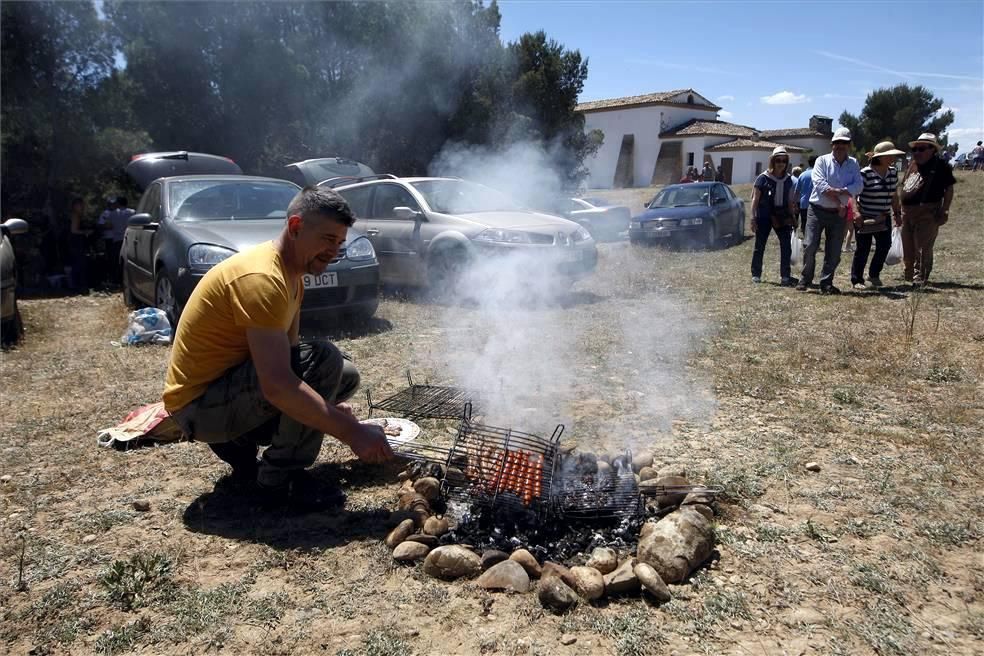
(878, 552)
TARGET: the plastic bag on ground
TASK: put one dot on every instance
(895, 252)
(147, 326)
(796, 250)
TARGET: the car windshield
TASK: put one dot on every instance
(460, 197)
(325, 169)
(228, 200)
(681, 196)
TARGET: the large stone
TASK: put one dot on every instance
(555, 595)
(647, 474)
(652, 583)
(428, 487)
(706, 511)
(604, 470)
(671, 470)
(698, 496)
(646, 529)
(409, 551)
(452, 562)
(588, 582)
(400, 533)
(507, 575)
(423, 538)
(492, 557)
(603, 559)
(556, 569)
(528, 561)
(436, 526)
(670, 496)
(623, 580)
(678, 544)
(642, 459)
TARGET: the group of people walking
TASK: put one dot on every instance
(834, 192)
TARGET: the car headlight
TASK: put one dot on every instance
(581, 234)
(202, 257)
(360, 249)
(690, 222)
(499, 236)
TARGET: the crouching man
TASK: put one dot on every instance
(240, 378)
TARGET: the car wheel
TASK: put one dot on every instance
(445, 270)
(12, 329)
(128, 298)
(164, 298)
(709, 240)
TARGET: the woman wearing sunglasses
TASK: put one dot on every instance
(927, 191)
(774, 208)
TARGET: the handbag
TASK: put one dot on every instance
(895, 252)
(864, 225)
(795, 250)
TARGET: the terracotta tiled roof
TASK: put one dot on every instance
(792, 132)
(697, 127)
(755, 144)
(657, 98)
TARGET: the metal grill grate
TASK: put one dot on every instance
(616, 495)
(424, 401)
(501, 467)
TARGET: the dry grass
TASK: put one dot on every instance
(877, 553)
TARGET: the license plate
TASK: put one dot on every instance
(635, 225)
(321, 280)
(661, 233)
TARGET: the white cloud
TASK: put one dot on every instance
(890, 71)
(725, 114)
(725, 98)
(956, 133)
(944, 109)
(785, 98)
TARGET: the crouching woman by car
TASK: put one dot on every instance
(877, 203)
(774, 209)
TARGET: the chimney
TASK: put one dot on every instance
(822, 124)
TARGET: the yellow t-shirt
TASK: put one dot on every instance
(248, 290)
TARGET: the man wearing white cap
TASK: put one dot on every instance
(927, 191)
(836, 179)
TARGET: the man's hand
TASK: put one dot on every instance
(368, 443)
(346, 408)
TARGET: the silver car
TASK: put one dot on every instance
(10, 321)
(425, 230)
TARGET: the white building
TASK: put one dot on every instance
(654, 138)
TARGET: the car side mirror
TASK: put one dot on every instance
(142, 220)
(407, 214)
(15, 226)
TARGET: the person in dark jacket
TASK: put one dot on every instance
(927, 191)
(774, 209)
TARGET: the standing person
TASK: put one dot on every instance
(927, 191)
(78, 246)
(878, 204)
(774, 208)
(689, 176)
(708, 171)
(836, 177)
(719, 176)
(114, 222)
(239, 376)
(797, 172)
(977, 155)
(804, 187)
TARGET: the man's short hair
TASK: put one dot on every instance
(320, 201)
(812, 160)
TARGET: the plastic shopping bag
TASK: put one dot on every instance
(147, 326)
(895, 252)
(796, 251)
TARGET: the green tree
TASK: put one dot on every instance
(899, 114)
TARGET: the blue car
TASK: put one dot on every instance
(700, 214)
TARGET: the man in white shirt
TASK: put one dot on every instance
(836, 178)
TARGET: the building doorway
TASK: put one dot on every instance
(669, 164)
(727, 164)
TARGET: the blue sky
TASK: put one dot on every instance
(772, 64)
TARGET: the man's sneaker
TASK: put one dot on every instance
(302, 493)
(859, 285)
(875, 283)
(756, 278)
(788, 282)
(829, 289)
(802, 286)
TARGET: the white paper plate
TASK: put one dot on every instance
(408, 432)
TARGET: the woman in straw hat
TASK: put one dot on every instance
(927, 191)
(774, 208)
(878, 203)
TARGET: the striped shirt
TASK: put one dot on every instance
(876, 197)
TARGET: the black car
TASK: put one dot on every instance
(699, 214)
(311, 172)
(186, 224)
(599, 217)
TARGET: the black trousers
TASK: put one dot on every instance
(883, 242)
(763, 228)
